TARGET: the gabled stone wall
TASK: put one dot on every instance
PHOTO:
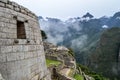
(20, 59)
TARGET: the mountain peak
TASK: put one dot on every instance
(40, 17)
(88, 15)
(116, 15)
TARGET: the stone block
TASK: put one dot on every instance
(12, 24)
(2, 24)
(27, 55)
(23, 11)
(17, 48)
(6, 49)
(20, 18)
(33, 68)
(29, 14)
(8, 15)
(35, 77)
(40, 53)
(9, 6)
(3, 57)
(1, 78)
(9, 41)
(1, 16)
(2, 9)
(11, 56)
(31, 54)
(12, 31)
(22, 42)
(14, 4)
(11, 35)
(38, 41)
(25, 48)
(27, 10)
(3, 67)
(4, 42)
(4, 19)
(35, 54)
(17, 9)
(32, 75)
(19, 55)
(3, 35)
(32, 48)
(5, 29)
(27, 27)
(4, 1)
(2, 4)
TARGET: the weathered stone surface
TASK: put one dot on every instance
(9, 6)
(1, 78)
(17, 9)
(20, 59)
(5, 1)
(2, 4)
(60, 53)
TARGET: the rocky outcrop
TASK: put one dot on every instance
(67, 69)
(60, 53)
(88, 15)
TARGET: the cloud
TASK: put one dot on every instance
(57, 30)
(79, 42)
(71, 8)
(56, 39)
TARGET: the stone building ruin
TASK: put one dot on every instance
(21, 48)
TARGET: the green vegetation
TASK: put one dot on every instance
(83, 68)
(96, 76)
(78, 77)
(52, 63)
(71, 52)
(106, 55)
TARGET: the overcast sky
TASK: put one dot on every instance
(71, 8)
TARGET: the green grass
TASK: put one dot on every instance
(52, 63)
(78, 77)
(71, 72)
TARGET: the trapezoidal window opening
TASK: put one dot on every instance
(21, 30)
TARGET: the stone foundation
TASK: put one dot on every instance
(21, 52)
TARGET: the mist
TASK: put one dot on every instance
(57, 30)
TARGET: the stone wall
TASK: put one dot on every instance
(20, 58)
(60, 53)
(1, 78)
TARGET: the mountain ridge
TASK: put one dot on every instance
(77, 32)
(81, 34)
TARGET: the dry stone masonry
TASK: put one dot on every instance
(21, 48)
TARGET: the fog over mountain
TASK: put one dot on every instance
(80, 33)
(83, 35)
(57, 30)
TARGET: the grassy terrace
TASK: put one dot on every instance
(78, 77)
(52, 63)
